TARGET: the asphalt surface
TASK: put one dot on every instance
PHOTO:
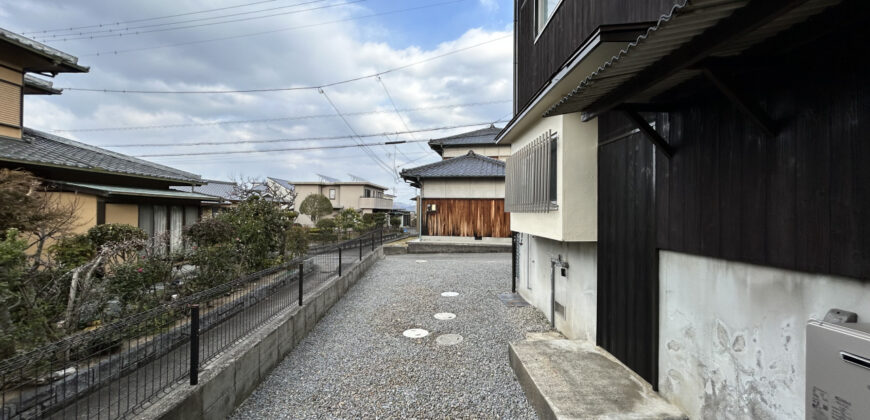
(357, 363)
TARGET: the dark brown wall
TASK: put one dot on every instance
(572, 23)
(466, 217)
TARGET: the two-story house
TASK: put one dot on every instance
(363, 196)
(463, 194)
(103, 186)
(689, 183)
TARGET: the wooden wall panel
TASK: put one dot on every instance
(466, 217)
(570, 26)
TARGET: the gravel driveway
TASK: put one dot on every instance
(357, 363)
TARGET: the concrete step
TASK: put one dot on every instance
(574, 379)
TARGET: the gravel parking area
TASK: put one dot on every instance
(357, 363)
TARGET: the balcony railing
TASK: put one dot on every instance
(375, 203)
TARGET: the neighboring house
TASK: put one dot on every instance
(104, 186)
(363, 196)
(481, 142)
(697, 187)
(224, 195)
(461, 197)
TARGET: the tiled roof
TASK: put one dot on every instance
(62, 60)
(470, 165)
(221, 189)
(483, 136)
(41, 148)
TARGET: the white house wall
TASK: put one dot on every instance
(498, 152)
(576, 292)
(576, 177)
(732, 335)
(463, 188)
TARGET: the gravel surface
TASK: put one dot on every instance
(357, 364)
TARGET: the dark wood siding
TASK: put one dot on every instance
(569, 27)
(627, 260)
(466, 217)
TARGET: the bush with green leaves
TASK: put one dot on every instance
(114, 233)
(297, 242)
(215, 265)
(211, 231)
(140, 284)
(73, 251)
(395, 221)
(12, 266)
(324, 231)
(260, 227)
(348, 219)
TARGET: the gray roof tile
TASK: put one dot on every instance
(223, 189)
(470, 165)
(476, 137)
(41, 148)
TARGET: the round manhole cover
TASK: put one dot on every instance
(421, 261)
(448, 339)
(415, 333)
(444, 316)
(449, 294)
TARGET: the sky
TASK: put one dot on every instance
(452, 60)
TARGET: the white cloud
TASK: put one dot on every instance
(296, 58)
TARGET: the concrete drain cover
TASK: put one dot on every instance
(421, 261)
(448, 339)
(449, 294)
(415, 333)
(444, 316)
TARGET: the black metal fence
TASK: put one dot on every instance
(115, 370)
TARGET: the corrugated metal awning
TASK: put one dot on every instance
(112, 190)
(687, 22)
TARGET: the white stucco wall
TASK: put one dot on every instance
(576, 178)
(576, 291)
(498, 152)
(732, 335)
(463, 188)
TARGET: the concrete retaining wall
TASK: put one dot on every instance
(228, 380)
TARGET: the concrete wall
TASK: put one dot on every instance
(500, 152)
(463, 188)
(577, 181)
(576, 291)
(230, 378)
(731, 335)
(122, 213)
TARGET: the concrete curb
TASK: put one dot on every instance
(436, 247)
(229, 379)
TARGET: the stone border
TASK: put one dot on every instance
(225, 382)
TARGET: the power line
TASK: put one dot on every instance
(285, 140)
(154, 25)
(359, 141)
(364, 146)
(268, 120)
(205, 24)
(100, 25)
(202, 41)
(315, 87)
(402, 119)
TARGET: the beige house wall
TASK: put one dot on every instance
(500, 152)
(576, 177)
(463, 188)
(127, 214)
(346, 196)
(85, 212)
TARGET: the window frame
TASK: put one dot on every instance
(536, 10)
(332, 193)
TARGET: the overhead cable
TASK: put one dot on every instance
(314, 87)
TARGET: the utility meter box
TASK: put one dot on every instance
(838, 371)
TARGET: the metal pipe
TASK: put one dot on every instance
(513, 262)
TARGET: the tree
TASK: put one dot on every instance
(347, 219)
(315, 206)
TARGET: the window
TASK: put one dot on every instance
(530, 177)
(166, 223)
(332, 193)
(544, 9)
(367, 193)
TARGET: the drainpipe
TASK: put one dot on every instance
(553, 263)
(419, 210)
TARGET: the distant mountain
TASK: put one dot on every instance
(410, 206)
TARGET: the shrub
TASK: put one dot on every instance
(297, 241)
(135, 283)
(115, 233)
(216, 264)
(395, 221)
(316, 206)
(211, 231)
(73, 251)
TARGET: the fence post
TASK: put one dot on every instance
(194, 344)
(360, 247)
(372, 241)
(339, 261)
(300, 282)
(513, 262)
